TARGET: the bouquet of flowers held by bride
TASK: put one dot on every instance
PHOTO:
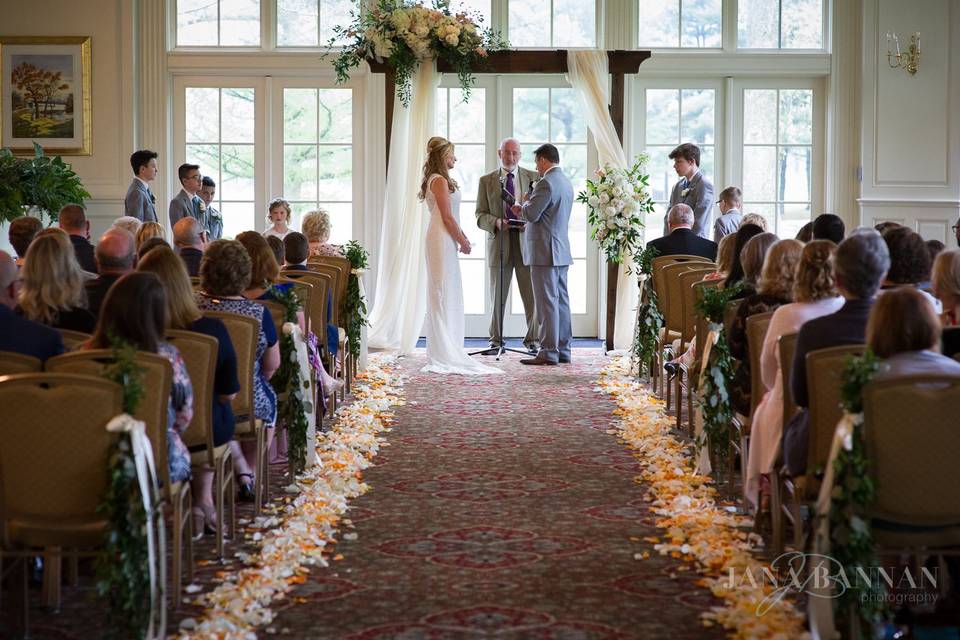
(403, 34)
(617, 202)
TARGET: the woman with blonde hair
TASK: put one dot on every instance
(445, 325)
(316, 227)
(814, 294)
(279, 217)
(52, 291)
(149, 230)
(724, 257)
(945, 282)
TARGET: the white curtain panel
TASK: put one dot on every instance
(588, 73)
(399, 306)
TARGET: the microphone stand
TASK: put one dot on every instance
(502, 301)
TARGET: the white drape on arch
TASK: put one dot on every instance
(400, 302)
(588, 74)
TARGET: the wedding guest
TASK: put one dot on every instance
(805, 234)
(188, 238)
(135, 311)
(115, 257)
(264, 269)
(276, 245)
(53, 285)
(150, 230)
(129, 224)
(903, 329)
(140, 203)
(316, 226)
(934, 247)
(224, 274)
(815, 295)
(183, 314)
(860, 264)
(774, 289)
(755, 219)
(744, 234)
(725, 250)
(73, 220)
(279, 218)
(187, 204)
(682, 240)
(150, 243)
(17, 334)
(956, 231)
(883, 227)
(946, 285)
(909, 261)
(21, 233)
(828, 226)
(730, 216)
(693, 189)
(214, 225)
(296, 251)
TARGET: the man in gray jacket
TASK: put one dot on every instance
(693, 189)
(140, 203)
(187, 202)
(547, 214)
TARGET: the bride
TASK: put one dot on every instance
(445, 327)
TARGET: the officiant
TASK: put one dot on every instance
(494, 216)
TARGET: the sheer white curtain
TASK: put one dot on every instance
(588, 73)
(400, 302)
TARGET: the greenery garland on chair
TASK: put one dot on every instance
(294, 393)
(354, 307)
(851, 541)
(649, 319)
(715, 403)
(122, 576)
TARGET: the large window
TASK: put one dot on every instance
(778, 156)
(219, 128)
(218, 23)
(318, 155)
(780, 24)
(545, 24)
(310, 23)
(681, 23)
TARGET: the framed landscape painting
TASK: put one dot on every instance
(45, 94)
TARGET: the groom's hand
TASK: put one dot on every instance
(516, 209)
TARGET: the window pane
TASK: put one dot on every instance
(530, 114)
(238, 119)
(341, 220)
(332, 14)
(662, 175)
(207, 156)
(196, 23)
(237, 218)
(470, 166)
(476, 235)
(467, 119)
(794, 174)
(792, 217)
(663, 116)
(759, 173)
(202, 116)
(336, 115)
(527, 28)
(240, 23)
(299, 172)
(474, 286)
(757, 24)
(336, 173)
(578, 230)
(573, 159)
(698, 121)
(701, 23)
(236, 172)
(297, 23)
(706, 164)
(577, 286)
(760, 116)
(574, 23)
(802, 24)
(567, 123)
(796, 116)
(767, 210)
(300, 115)
(659, 23)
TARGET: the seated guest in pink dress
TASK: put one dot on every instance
(316, 226)
(815, 295)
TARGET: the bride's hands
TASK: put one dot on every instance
(465, 247)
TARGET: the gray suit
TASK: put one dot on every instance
(548, 254)
(489, 209)
(726, 224)
(139, 202)
(699, 197)
(183, 205)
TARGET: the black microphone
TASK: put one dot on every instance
(505, 195)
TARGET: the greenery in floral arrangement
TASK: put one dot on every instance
(354, 307)
(403, 34)
(714, 396)
(649, 319)
(37, 182)
(122, 575)
(617, 202)
(851, 541)
(295, 401)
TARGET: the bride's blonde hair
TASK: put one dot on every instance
(438, 148)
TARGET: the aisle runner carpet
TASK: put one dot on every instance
(501, 508)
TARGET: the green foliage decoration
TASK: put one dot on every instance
(39, 182)
(649, 318)
(354, 308)
(295, 401)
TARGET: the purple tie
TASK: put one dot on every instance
(507, 210)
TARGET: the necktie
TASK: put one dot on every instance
(507, 210)
(153, 198)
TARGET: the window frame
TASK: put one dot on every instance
(500, 21)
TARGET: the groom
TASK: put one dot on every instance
(547, 213)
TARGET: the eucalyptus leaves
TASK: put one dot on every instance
(649, 318)
(295, 401)
(354, 307)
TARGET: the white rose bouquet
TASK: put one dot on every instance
(617, 202)
(405, 33)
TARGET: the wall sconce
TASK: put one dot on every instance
(910, 60)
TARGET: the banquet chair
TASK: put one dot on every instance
(11, 362)
(780, 512)
(72, 340)
(339, 271)
(757, 325)
(320, 286)
(688, 327)
(672, 314)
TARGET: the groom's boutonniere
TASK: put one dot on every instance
(201, 206)
(683, 194)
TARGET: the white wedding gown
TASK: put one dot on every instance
(445, 326)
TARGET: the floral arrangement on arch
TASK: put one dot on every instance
(403, 34)
(616, 205)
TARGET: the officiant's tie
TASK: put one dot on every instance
(507, 209)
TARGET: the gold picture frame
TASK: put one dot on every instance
(45, 94)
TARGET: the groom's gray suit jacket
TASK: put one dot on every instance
(548, 212)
